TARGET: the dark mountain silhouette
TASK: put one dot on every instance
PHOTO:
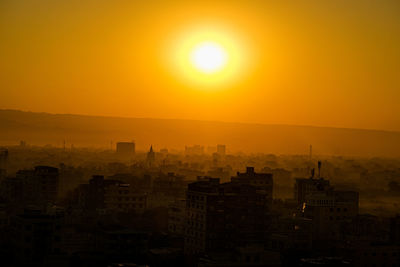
(44, 128)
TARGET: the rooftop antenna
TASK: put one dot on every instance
(312, 173)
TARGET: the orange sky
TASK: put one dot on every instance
(323, 63)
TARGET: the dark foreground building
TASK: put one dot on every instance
(225, 216)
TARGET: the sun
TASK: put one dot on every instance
(209, 57)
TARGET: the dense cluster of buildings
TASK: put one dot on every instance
(147, 215)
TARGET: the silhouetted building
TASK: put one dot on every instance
(143, 183)
(395, 229)
(125, 149)
(124, 244)
(211, 149)
(221, 150)
(39, 186)
(3, 160)
(164, 150)
(329, 210)
(166, 189)
(11, 191)
(177, 217)
(262, 181)
(376, 254)
(36, 235)
(151, 157)
(91, 196)
(123, 197)
(194, 150)
(224, 216)
(306, 186)
(170, 184)
(368, 228)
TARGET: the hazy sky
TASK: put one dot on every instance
(324, 63)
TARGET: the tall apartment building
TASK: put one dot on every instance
(223, 216)
(329, 210)
(262, 181)
(306, 186)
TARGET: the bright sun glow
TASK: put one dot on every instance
(209, 57)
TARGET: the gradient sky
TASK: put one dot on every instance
(322, 63)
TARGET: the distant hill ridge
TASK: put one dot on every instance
(82, 130)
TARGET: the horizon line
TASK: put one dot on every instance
(198, 120)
